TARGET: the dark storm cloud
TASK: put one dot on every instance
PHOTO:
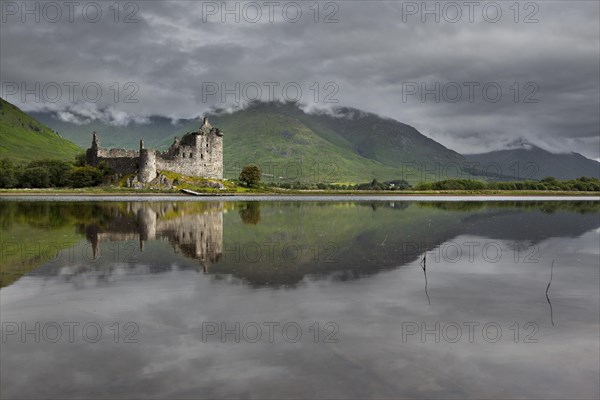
(374, 53)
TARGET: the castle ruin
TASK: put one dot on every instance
(198, 153)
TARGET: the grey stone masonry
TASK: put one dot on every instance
(198, 153)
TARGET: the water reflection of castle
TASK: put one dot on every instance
(196, 229)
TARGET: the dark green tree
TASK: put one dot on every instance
(34, 177)
(80, 160)
(57, 171)
(85, 176)
(250, 175)
(8, 174)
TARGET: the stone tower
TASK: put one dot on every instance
(198, 153)
(147, 164)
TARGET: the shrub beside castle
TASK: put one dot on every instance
(51, 174)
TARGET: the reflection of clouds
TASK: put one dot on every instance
(370, 360)
(84, 277)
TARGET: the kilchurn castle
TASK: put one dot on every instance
(198, 153)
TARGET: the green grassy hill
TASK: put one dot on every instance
(23, 139)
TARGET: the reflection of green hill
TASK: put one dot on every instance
(26, 248)
(365, 238)
(281, 243)
(31, 235)
(343, 239)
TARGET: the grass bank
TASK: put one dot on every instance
(102, 190)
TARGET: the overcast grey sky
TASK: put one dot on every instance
(373, 55)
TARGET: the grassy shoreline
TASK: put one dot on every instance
(111, 191)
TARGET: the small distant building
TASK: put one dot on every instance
(198, 153)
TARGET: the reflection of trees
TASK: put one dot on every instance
(31, 233)
(34, 214)
(52, 215)
(250, 212)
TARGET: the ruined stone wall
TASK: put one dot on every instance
(195, 155)
(122, 165)
(184, 161)
(121, 161)
(117, 153)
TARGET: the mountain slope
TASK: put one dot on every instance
(22, 138)
(348, 146)
(532, 162)
(381, 139)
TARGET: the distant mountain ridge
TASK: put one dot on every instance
(531, 162)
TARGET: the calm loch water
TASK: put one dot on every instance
(283, 299)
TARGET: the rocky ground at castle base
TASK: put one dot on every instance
(169, 180)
